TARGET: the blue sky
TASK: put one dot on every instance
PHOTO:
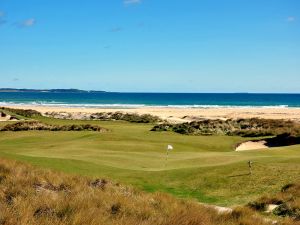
(151, 45)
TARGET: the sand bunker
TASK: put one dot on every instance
(252, 145)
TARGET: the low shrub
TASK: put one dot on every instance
(34, 125)
(242, 127)
(2, 114)
(129, 117)
(259, 206)
(286, 210)
(134, 118)
(22, 112)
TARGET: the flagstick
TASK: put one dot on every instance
(250, 167)
(167, 155)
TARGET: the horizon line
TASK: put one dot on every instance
(140, 92)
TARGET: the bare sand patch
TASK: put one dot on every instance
(252, 145)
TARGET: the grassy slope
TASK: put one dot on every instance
(42, 197)
(201, 167)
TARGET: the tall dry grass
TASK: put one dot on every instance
(287, 201)
(32, 196)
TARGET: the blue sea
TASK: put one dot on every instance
(133, 100)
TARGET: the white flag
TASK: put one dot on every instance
(170, 147)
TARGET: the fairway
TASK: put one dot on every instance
(203, 167)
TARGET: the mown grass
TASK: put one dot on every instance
(202, 167)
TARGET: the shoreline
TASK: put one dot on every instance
(134, 106)
(174, 114)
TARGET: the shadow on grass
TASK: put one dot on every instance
(241, 175)
(285, 139)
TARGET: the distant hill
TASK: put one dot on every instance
(48, 90)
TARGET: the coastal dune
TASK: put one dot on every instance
(179, 115)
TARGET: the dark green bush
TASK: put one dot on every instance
(129, 117)
(135, 118)
(285, 210)
(287, 187)
(242, 127)
(162, 127)
(259, 206)
(34, 125)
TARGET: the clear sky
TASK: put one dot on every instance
(151, 45)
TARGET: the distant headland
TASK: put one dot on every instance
(48, 90)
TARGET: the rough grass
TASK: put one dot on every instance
(31, 196)
(287, 201)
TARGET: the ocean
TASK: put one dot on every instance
(133, 100)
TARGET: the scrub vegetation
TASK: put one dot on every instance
(242, 127)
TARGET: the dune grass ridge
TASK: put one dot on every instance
(21, 112)
(253, 127)
(36, 125)
(106, 116)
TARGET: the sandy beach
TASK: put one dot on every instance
(185, 114)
